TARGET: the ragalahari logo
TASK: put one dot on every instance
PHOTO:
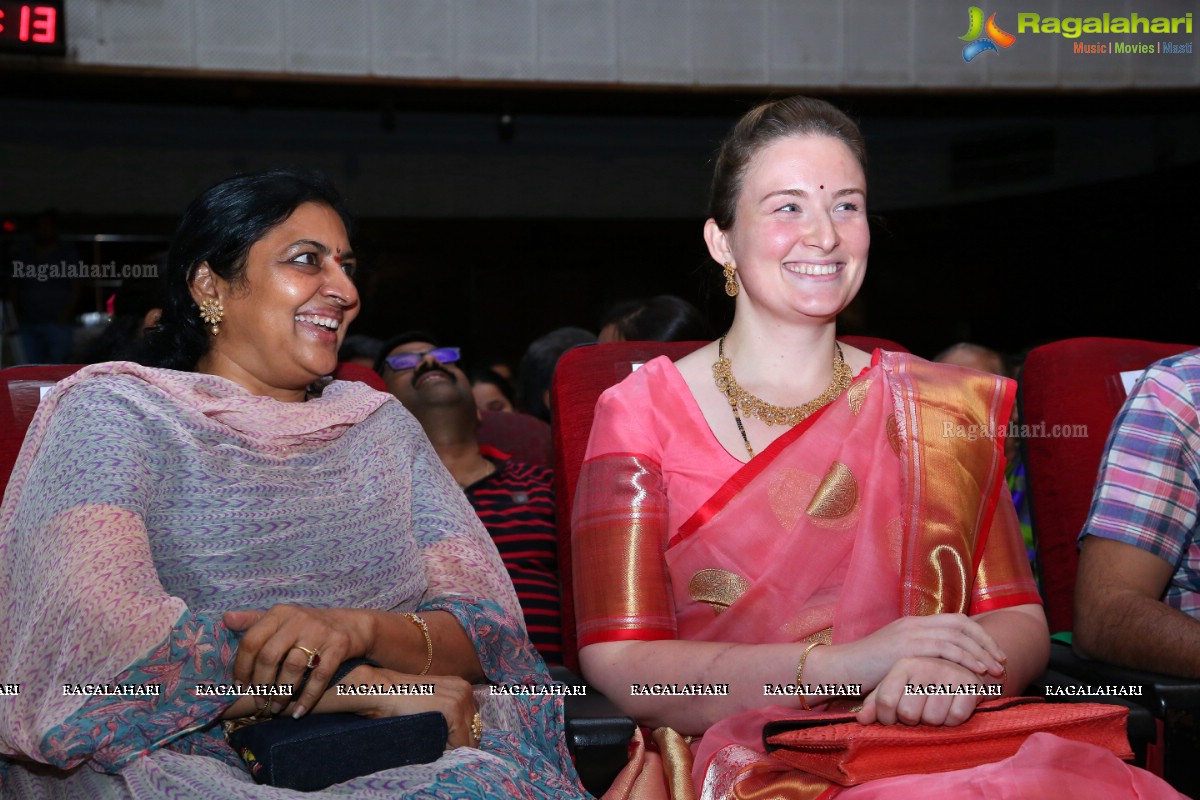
(978, 43)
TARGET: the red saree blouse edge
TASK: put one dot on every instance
(1005, 601)
(625, 635)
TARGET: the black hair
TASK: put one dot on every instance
(664, 318)
(537, 366)
(489, 375)
(122, 338)
(219, 228)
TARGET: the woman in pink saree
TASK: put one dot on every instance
(781, 522)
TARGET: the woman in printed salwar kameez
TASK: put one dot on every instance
(779, 510)
(222, 516)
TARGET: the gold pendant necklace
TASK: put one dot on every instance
(744, 403)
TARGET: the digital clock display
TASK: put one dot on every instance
(33, 28)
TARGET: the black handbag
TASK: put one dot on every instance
(319, 750)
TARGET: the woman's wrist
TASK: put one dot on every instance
(814, 668)
(360, 624)
(802, 686)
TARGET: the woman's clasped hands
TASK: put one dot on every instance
(943, 650)
(280, 645)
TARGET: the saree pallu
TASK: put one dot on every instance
(870, 510)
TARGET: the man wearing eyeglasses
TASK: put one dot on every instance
(514, 501)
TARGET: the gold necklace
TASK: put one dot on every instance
(744, 403)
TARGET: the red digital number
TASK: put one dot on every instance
(38, 24)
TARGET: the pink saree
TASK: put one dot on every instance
(866, 512)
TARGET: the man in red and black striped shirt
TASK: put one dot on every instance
(514, 501)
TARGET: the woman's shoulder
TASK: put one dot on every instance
(652, 412)
(650, 380)
(108, 385)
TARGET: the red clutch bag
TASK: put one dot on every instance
(848, 753)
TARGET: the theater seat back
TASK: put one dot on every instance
(1067, 388)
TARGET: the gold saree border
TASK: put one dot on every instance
(621, 586)
(951, 482)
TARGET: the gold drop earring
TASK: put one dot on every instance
(731, 284)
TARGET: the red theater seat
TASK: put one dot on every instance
(1075, 386)
(20, 393)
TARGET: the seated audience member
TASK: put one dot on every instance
(514, 501)
(493, 392)
(135, 310)
(776, 509)
(1137, 591)
(665, 318)
(985, 359)
(361, 350)
(973, 356)
(213, 517)
(537, 367)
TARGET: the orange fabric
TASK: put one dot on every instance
(848, 753)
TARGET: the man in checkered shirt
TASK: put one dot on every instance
(1137, 592)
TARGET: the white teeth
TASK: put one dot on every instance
(325, 322)
(811, 269)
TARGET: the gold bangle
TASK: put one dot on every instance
(800, 672)
(420, 623)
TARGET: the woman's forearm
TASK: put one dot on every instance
(1016, 635)
(1022, 633)
(621, 669)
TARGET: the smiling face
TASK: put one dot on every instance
(428, 384)
(286, 318)
(800, 238)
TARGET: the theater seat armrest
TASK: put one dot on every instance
(1161, 693)
(1141, 727)
(598, 733)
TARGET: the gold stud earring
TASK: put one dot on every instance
(731, 284)
(212, 312)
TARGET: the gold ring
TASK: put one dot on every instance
(314, 656)
(477, 727)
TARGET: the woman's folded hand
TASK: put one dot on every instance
(929, 691)
(954, 638)
(279, 644)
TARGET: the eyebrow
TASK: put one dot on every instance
(343, 257)
(801, 193)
